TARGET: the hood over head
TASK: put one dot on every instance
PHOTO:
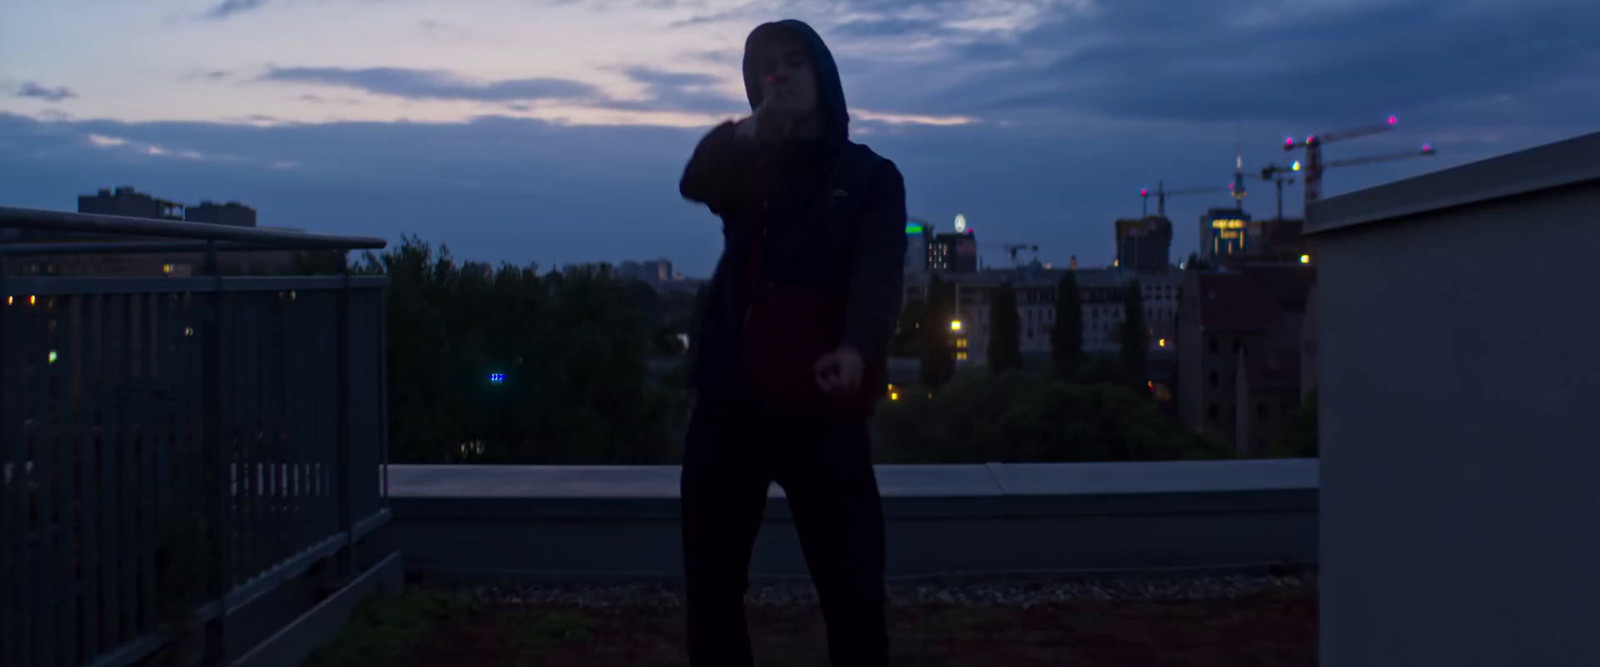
(830, 93)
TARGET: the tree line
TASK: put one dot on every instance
(510, 365)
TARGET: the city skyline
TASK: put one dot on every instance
(554, 132)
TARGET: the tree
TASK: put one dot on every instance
(1135, 338)
(1298, 439)
(508, 366)
(937, 361)
(1066, 339)
(1030, 416)
(907, 340)
(1005, 330)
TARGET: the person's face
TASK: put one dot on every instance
(788, 82)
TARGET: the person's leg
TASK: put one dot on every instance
(833, 496)
(724, 492)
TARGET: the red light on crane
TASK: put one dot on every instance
(1144, 192)
(1391, 120)
(1427, 148)
(1311, 138)
(1288, 141)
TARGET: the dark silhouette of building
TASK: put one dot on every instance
(919, 238)
(1144, 245)
(128, 202)
(1269, 243)
(232, 213)
(953, 253)
(651, 271)
(1240, 336)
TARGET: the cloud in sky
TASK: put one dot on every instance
(434, 84)
(47, 93)
(228, 8)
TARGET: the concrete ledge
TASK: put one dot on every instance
(606, 521)
(1554, 165)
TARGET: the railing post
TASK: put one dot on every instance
(216, 638)
(344, 563)
(383, 395)
(12, 469)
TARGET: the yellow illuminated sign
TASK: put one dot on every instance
(1227, 224)
(1230, 234)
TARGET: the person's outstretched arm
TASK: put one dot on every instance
(718, 173)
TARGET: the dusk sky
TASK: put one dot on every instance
(555, 131)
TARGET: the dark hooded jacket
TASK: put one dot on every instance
(832, 217)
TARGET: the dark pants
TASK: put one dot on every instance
(732, 454)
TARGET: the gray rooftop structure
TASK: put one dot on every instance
(1455, 398)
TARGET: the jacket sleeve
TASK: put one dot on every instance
(718, 173)
(877, 272)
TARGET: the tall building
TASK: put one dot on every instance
(1274, 242)
(1223, 232)
(1144, 245)
(919, 236)
(1101, 293)
(232, 213)
(126, 201)
(1240, 352)
(953, 253)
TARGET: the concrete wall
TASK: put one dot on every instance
(620, 521)
(1460, 453)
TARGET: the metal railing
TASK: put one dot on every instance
(174, 447)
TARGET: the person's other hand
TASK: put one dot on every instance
(839, 372)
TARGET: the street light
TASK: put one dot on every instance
(955, 325)
(1305, 259)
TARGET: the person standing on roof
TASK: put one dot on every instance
(791, 351)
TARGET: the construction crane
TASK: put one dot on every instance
(1162, 193)
(1236, 189)
(1270, 172)
(1313, 145)
(1011, 250)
